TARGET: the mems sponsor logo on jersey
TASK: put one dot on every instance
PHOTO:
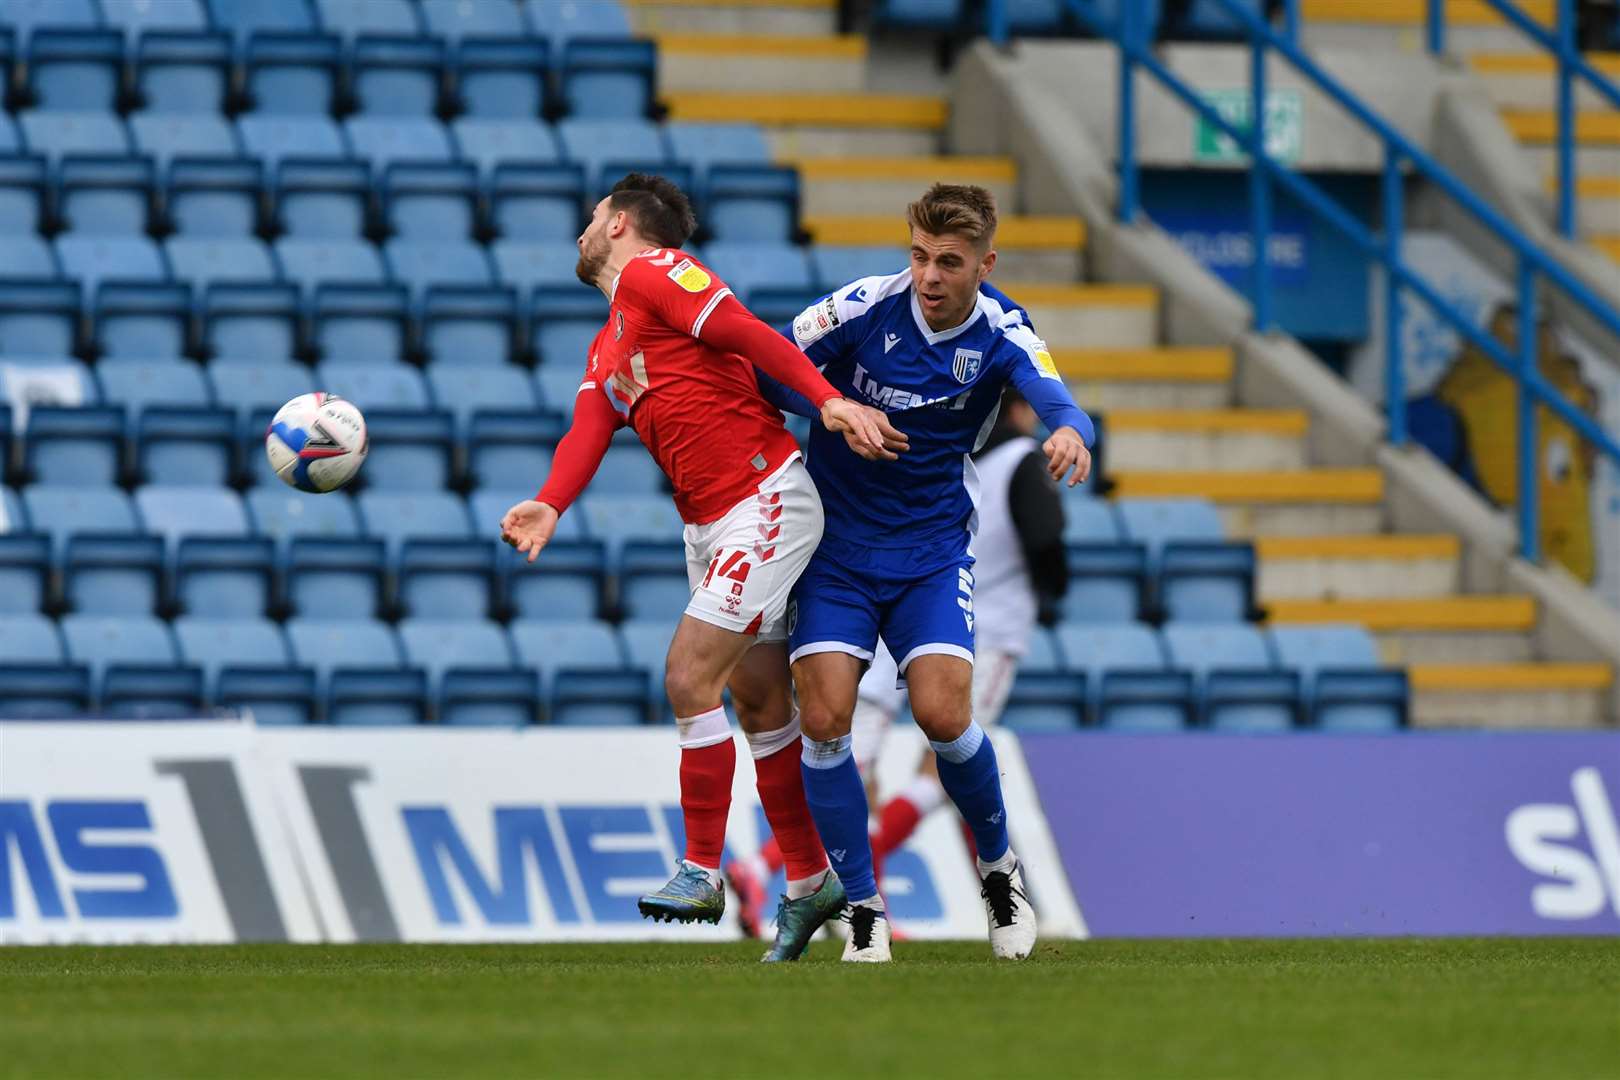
(894, 398)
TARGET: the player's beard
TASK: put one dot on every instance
(592, 257)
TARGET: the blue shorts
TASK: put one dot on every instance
(837, 607)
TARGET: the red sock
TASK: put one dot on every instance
(781, 792)
(771, 854)
(706, 800)
(896, 822)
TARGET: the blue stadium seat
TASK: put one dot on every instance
(561, 20)
(1088, 520)
(244, 18)
(1107, 582)
(627, 468)
(646, 646)
(180, 445)
(440, 645)
(10, 138)
(489, 505)
(342, 639)
(214, 197)
(410, 451)
(940, 15)
(203, 261)
(1035, 16)
(152, 691)
(652, 580)
(372, 697)
(531, 266)
(1042, 652)
(599, 698)
(104, 195)
(75, 70)
(140, 321)
(271, 694)
(27, 638)
(469, 327)
(224, 577)
(510, 449)
(166, 136)
(488, 142)
(383, 140)
(705, 145)
(350, 18)
(102, 640)
(273, 137)
(1240, 689)
(26, 258)
(447, 579)
(836, 266)
(619, 519)
(329, 576)
(183, 71)
(22, 195)
(608, 77)
(61, 511)
(322, 199)
(13, 518)
(753, 203)
(397, 516)
(454, 19)
(140, 18)
(486, 696)
(80, 446)
(417, 265)
(746, 267)
(1156, 521)
(1045, 701)
(554, 646)
(396, 77)
(359, 664)
(113, 575)
(6, 460)
(310, 263)
(1098, 649)
(135, 384)
(53, 134)
(559, 383)
(1207, 581)
(39, 318)
(564, 325)
(43, 691)
(215, 642)
(90, 259)
(361, 324)
(250, 321)
(538, 202)
(593, 141)
(1345, 686)
(175, 512)
(284, 514)
(24, 16)
(431, 202)
(292, 74)
(25, 566)
(250, 385)
(468, 390)
(377, 387)
(502, 78)
(565, 584)
(1208, 21)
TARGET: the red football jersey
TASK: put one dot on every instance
(697, 408)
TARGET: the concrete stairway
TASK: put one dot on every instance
(1173, 428)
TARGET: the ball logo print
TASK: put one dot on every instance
(317, 442)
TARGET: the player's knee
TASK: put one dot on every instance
(822, 722)
(690, 693)
(941, 724)
(761, 708)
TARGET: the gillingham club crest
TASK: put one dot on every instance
(966, 365)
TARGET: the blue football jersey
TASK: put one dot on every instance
(942, 389)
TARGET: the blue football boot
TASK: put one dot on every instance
(688, 897)
(798, 920)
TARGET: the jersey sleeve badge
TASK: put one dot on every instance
(815, 322)
(690, 276)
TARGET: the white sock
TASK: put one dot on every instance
(1003, 865)
(875, 902)
(713, 875)
(800, 888)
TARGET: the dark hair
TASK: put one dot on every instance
(660, 209)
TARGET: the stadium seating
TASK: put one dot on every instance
(183, 70)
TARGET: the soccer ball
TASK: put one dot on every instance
(317, 442)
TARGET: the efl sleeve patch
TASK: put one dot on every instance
(816, 322)
(690, 276)
(1043, 360)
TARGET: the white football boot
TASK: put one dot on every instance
(1007, 908)
(868, 935)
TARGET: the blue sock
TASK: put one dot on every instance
(971, 777)
(837, 798)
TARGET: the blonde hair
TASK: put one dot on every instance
(956, 210)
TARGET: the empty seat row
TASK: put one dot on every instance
(334, 199)
(173, 71)
(1197, 20)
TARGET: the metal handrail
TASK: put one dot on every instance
(1127, 32)
(1561, 43)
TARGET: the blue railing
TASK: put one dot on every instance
(1127, 30)
(1560, 41)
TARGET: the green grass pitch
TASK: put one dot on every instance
(1387, 1009)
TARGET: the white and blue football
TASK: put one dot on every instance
(317, 442)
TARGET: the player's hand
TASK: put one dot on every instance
(529, 526)
(1065, 450)
(867, 430)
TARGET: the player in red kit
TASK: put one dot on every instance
(676, 362)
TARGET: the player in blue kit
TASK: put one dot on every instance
(933, 347)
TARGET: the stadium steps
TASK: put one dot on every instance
(1237, 440)
(781, 63)
(876, 185)
(1525, 80)
(1510, 695)
(1089, 315)
(1424, 630)
(1356, 567)
(1399, 24)
(808, 18)
(1295, 502)
(1157, 377)
(820, 125)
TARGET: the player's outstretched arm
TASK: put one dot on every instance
(530, 524)
(1066, 451)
